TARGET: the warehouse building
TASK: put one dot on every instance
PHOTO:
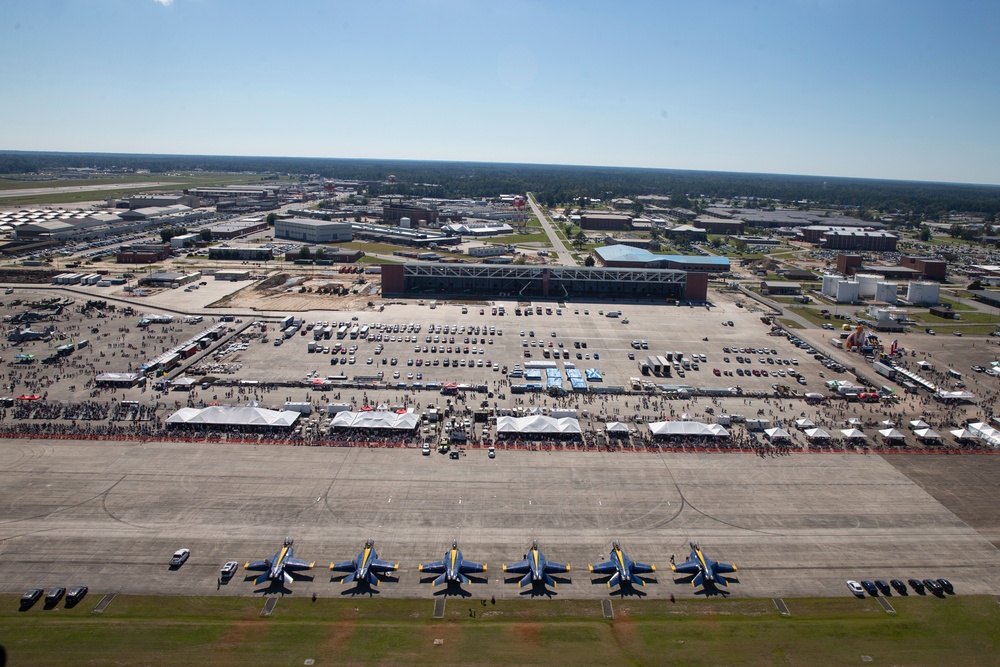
(622, 256)
(143, 253)
(609, 221)
(313, 231)
(241, 254)
(234, 229)
(455, 280)
(878, 241)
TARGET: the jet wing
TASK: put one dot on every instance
(518, 568)
(344, 565)
(383, 565)
(689, 567)
(434, 568)
(296, 564)
(551, 567)
(606, 567)
(724, 568)
(642, 568)
(468, 566)
(258, 565)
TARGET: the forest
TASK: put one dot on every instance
(557, 184)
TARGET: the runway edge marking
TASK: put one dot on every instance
(103, 604)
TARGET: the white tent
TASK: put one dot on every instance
(218, 415)
(776, 433)
(815, 396)
(853, 434)
(804, 423)
(376, 419)
(918, 423)
(817, 434)
(672, 428)
(538, 424)
(888, 423)
(963, 434)
(891, 434)
(616, 427)
(854, 421)
(926, 434)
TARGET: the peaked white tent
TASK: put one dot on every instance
(817, 434)
(918, 423)
(777, 434)
(963, 434)
(853, 434)
(218, 415)
(616, 427)
(805, 423)
(538, 425)
(926, 434)
(376, 419)
(673, 428)
(891, 434)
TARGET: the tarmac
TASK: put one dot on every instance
(109, 514)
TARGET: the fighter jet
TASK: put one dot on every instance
(706, 570)
(626, 571)
(277, 568)
(454, 567)
(536, 568)
(365, 567)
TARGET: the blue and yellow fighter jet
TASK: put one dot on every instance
(706, 570)
(454, 567)
(536, 568)
(365, 567)
(626, 571)
(277, 568)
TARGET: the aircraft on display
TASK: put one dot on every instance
(706, 570)
(365, 567)
(626, 571)
(454, 567)
(277, 568)
(536, 568)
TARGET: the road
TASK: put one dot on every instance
(563, 256)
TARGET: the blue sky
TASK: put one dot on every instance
(904, 89)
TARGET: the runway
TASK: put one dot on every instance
(109, 514)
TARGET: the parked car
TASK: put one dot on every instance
(883, 587)
(76, 594)
(229, 569)
(870, 587)
(54, 595)
(30, 597)
(916, 585)
(947, 586)
(898, 585)
(180, 557)
(933, 586)
(855, 588)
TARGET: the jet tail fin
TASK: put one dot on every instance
(372, 579)
(440, 579)
(549, 581)
(261, 578)
(287, 578)
(698, 580)
(525, 581)
(615, 579)
(462, 579)
(349, 578)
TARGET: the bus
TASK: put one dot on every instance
(342, 332)
(354, 332)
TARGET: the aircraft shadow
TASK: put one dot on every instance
(538, 588)
(362, 587)
(453, 589)
(709, 589)
(625, 588)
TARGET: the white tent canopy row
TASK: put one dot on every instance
(688, 428)
(926, 434)
(853, 434)
(777, 433)
(891, 434)
(817, 434)
(616, 427)
(218, 415)
(376, 419)
(538, 425)
(986, 433)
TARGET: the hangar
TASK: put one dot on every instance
(414, 279)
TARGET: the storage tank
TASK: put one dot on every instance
(404, 222)
(885, 292)
(830, 284)
(847, 291)
(866, 284)
(924, 294)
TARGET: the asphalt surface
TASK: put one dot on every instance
(109, 514)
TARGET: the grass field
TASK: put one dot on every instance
(229, 631)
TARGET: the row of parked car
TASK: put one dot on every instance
(53, 597)
(873, 588)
